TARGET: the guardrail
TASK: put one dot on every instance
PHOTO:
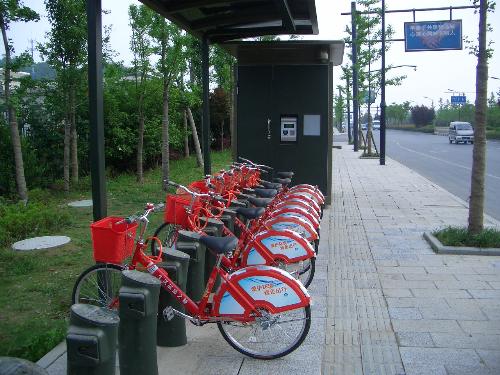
(441, 130)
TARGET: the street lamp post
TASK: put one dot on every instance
(432, 101)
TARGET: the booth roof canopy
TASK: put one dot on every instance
(223, 20)
(287, 52)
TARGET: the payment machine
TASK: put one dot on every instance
(288, 130)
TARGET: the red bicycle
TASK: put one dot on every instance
(258, 244)
(261, 311)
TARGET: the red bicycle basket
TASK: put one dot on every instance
(175, 211)
(112, 242)
(199, 186)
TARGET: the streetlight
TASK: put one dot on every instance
(432, 101)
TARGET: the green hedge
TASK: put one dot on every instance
(18, 221)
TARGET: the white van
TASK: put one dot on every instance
(460, 131)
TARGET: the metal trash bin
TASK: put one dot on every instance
(91, 340)
(172, 332)
(137, 332)
(188, 242)
(18, 366)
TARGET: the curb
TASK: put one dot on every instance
(439, 248)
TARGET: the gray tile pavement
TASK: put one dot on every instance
(384, 302)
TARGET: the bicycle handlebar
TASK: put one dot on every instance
(193, 193)
(255, 164)
(150, 207)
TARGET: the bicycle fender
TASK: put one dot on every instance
(294, 223)
(259, 287)
(304, 197)
(311, 187)
(270, 246)
(297, 211)
(297, 204)
(309, 193)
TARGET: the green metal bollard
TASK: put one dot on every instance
(213, 228)
(188, 242)
(137, 332)
(228, 218)
(91, 340)
(172, 332)
(18, 366)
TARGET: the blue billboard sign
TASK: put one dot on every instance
(458, 99)
(433, 35)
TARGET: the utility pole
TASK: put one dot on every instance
(349, 135)
(382, 93)
(355, 104)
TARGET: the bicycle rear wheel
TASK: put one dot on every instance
(99, 285)
(270, 336)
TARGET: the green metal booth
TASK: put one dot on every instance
(284, 106)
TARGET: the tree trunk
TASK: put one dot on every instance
(74, 136)
(140, 145)
(22, 191)
(222, 135)
(476, 203)
(165, 147)
(369, 136)
(186, 138)
(66, 153)
(197, 148)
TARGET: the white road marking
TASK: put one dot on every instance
(442, 160)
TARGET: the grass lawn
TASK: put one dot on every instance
(457, 236)
(35, 288)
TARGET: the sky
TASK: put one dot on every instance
(437, 72)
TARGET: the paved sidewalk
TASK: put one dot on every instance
(384, 303)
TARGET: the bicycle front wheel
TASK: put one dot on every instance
(99, 285)
(270, 336)
(167, 234)
(303, 270)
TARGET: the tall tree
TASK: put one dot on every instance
(476, 203)
(141, 46)
(169, 43)
(368, 27)
(66, 51)
(14, 11)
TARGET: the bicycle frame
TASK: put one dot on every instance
(246, 303)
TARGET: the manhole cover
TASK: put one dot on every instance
(83, 203)
(40, 243)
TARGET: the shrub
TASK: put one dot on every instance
(18, 221)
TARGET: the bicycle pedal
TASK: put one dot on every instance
(168, 313)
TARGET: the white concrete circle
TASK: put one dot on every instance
(40, 243)
(82, 203)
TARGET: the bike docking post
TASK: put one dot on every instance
(171, 329)
(214, 228)
(188, 242)
(137, 332)
(227, 218)
(91, 340)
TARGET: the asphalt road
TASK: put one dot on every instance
(448, 165)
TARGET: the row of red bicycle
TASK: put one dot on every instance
(262, 306)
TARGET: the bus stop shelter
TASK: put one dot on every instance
(213, 21)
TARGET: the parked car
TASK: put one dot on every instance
(460, 131)
(364, 126)
(376, 125)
